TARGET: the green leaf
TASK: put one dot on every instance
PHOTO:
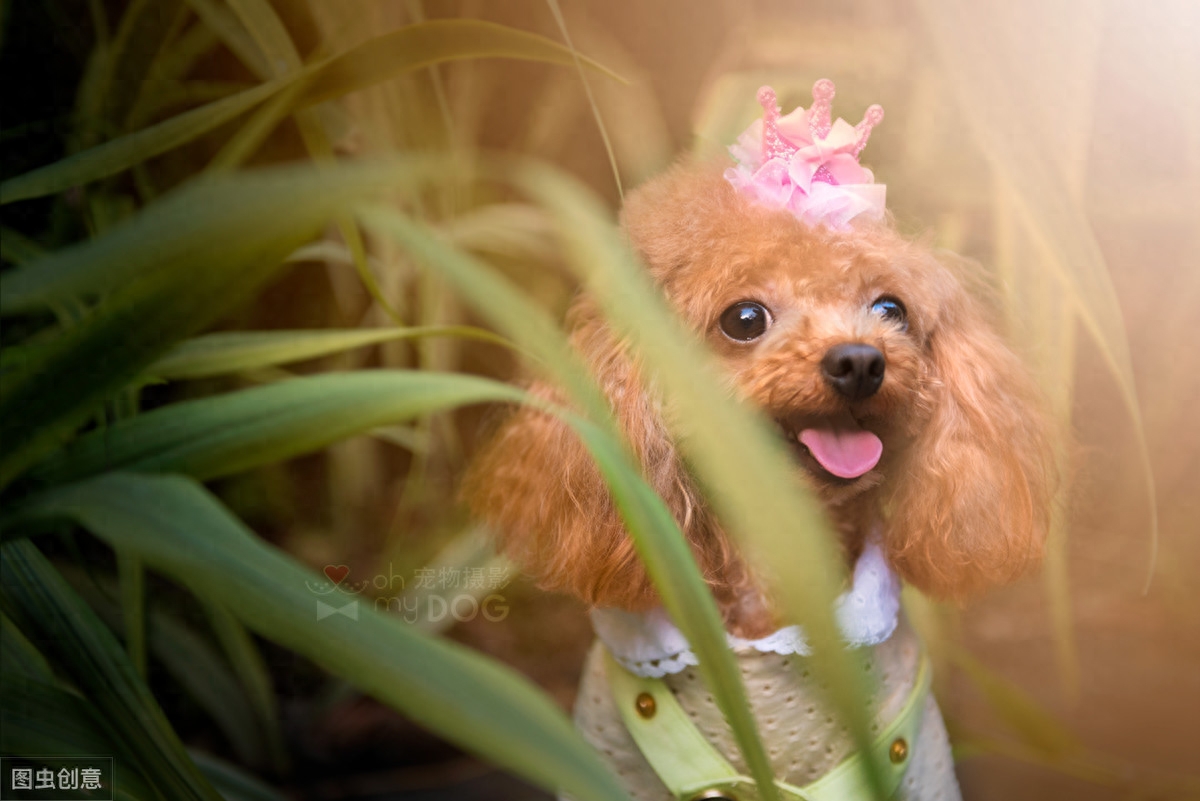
(655, 533)
(269, 34)
(41, 717)
(18, 248)
(735, 453)
(404, 50)
(221, 21)
(238, 351)
(133, 609)
(217, 436)
(233, 783)
(199, 225)
(178, 265)
(1035, 726)
(255, 679)
(82, 646)
(283, 58)
(181, 530)
(125, 151)
(427, 43)
(191, 661)
(18, 656)
(96, 358)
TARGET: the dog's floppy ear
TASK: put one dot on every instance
(972, 506)
(536, 485)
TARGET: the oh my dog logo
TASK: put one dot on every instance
(429, 596)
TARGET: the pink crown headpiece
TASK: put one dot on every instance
(807, 164)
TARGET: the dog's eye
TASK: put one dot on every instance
(891, 309)
(745, 321)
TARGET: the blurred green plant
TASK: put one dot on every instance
(101, 319)
(105, 308)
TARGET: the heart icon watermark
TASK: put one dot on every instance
(336, 573)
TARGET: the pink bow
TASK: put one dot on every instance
(835, 152)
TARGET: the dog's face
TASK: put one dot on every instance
(831, 341)
(904, 409)
(827, 332)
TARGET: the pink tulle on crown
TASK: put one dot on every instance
(806, 164)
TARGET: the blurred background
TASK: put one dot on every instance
(1055, 143)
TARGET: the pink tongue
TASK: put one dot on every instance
(845, 452)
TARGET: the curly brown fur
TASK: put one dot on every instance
(964, 484)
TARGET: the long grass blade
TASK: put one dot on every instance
(182, 531)
(228, 433)
(251, 136)
(42, 717)
(80, 644)
(221, 21)
(19, 657)
(655, 533)
(233, 783)
(269, 33)
(125, 151)
(1035, 726)
(237, 351)
(407, 49)
(255, 678)
(95, 359)
(191, 661)
(556, 10)
(179, 265)
(133, 609)
(734, 453)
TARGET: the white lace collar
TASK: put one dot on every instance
(648, 644)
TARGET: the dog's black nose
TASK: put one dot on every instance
(854, 369)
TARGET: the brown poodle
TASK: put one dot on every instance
(906, 413)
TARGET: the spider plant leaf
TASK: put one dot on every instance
(178, 265)
(19, 657)
(113, 73)
(270, 36)
(255, 130)
(587, 90)
(192, 227)
(133, 609)
(410, 48)
(433, 42)
(283, 58)
(170, 67)
(18, 248)
(123, 152)
(655, 533)
(236, 351)
(190, 660)
(97, 357)
(234, 783)
(228, 433)
(255, 678)
(42, 718)
(221, 21)
(203, 674)
(81, 645)
(1036, 727)
(181, 530)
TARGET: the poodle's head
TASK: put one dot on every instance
(903, 408)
